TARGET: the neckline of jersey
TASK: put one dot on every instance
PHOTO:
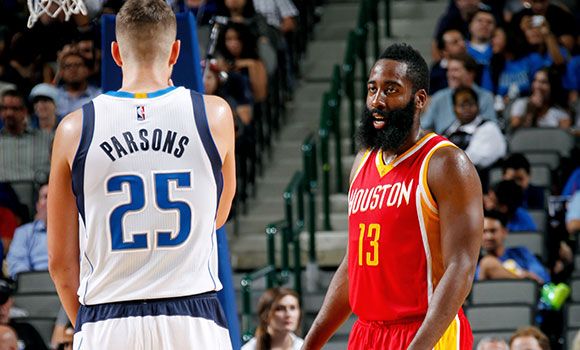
(395, 161)
(153, 94)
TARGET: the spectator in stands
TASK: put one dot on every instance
(481, 28)
(8, 338)
(481, 140)
(543, 41)
(450, 44)
(8, 224)
(27, 334)
(28, 249)
(517, 168)
(24, 152)
(512, 65)
(461, 71)
(571, 83)
(456, 17)
(573, 214)
(546, 106)
(240, 55)
(279, 14)
(506, 196)
(67, 342)
(529, 338)
(560, 21)
(489, 343)
(572, 184)
(75, 90)
(43, 98)
(279, 317)
(502, 262)
(203, 10)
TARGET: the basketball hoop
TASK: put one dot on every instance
(54, 8)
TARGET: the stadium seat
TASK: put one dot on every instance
(499, 317)
(571, 320)
(549, 158)
(495, 175)
(504, 291)
(533, 240)
(575, 289)
(570, 335)
(540, 217)
(541, 175)
(541, 139)
(34, 282)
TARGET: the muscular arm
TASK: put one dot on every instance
(221, 125)
(456, 188)
(62, 225)
(335, 307)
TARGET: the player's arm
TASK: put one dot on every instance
(456, 188)
(221, 125)
(335, 307)
(62, 225)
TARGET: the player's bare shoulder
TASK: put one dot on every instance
(68, 135)
(451, 171)
(221, 123)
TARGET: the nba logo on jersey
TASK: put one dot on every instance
(140, 113)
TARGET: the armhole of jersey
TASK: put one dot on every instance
(425, 191)
(207, 140)
(78, 167)
(362, 162)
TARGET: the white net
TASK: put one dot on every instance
(54, 8)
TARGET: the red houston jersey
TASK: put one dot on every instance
(394, 261)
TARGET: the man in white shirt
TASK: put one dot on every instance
(481, 140)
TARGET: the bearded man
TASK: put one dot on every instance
(415, 224)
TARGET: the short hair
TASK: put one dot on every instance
(468, 62)
(531, 331)
(509, 193)
(496, 215)
(441, 42)
(464, 90)
(417, 69)
(516, 161)
(148, 27)
(491, 339)
(13, 93)
(483, 8)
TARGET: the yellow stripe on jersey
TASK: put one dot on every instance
(450, 339)
(425, 171)
(140, 95)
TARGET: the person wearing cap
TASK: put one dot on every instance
(43, 98)
(27, 334)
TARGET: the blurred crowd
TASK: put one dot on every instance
(499, 69)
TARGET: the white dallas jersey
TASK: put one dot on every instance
(147, 179)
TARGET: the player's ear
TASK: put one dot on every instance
(420, 99)
(174, 52)
(116, 53)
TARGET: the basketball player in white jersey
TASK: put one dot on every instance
(140, 180)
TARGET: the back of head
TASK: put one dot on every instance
(531, 331)
(146, 30)
(417, 69)
(517, 161)
(496, 215)
(510, 194)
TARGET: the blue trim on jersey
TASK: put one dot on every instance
(126, 94)
(78, 168)
(88, 278)
(204, 305)
(207, 140)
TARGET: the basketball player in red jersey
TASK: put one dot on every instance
(415, 224)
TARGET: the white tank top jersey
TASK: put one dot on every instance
(147, 180)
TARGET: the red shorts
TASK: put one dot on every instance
(397, 335)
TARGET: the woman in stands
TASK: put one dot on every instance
(546, 106)
(513, 65)
(239, 54)
(279, 315)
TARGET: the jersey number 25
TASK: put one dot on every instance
(137, 203)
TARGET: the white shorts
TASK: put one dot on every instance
(193, 322)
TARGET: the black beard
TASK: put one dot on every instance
(398, 125)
